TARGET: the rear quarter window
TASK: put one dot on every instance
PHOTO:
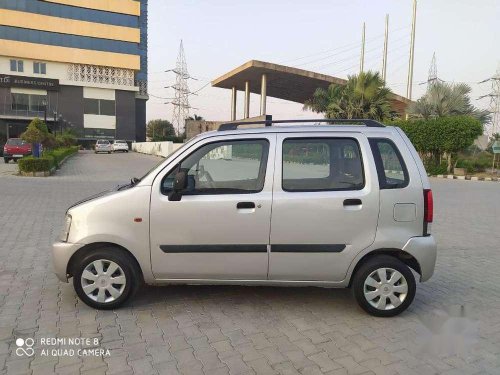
(391, 169)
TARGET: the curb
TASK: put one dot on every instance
(467, 178)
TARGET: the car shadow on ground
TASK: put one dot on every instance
(269, 298)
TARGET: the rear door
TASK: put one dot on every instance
(325, 205)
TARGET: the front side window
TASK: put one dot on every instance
(321, 164)
(391, 169)
(230, 167)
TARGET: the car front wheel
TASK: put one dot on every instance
(384, 286)
(106, 278)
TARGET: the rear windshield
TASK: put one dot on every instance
(120, 142)
(102, 142)
(15, 142)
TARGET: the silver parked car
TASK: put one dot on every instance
(329, 206)
(103, 145)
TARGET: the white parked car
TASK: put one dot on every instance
(103, 145)
(328, 206)
(120, 146)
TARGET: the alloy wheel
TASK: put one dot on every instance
(103, 281)
(385, 288)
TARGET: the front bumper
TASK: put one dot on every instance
(424, 250)
(61, 254)
(9, 155)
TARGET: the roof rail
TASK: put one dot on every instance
(365, 122)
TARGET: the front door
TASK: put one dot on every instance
(220, 227)
(325, 206)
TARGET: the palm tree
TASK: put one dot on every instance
(195, 117)
(363, 96)
(445, 99)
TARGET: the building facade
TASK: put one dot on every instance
(78, 64)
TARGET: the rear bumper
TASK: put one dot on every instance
(61, 254)
(424, 250)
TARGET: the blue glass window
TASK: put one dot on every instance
(67, 11)
(39, 68)
(67, 40)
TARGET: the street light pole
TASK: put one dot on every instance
(44, 103)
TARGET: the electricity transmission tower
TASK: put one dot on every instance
(181, 89)
(433, 74)
(494, 95)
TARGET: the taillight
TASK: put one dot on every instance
(428, 210)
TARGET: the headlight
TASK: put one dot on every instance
(65, 231)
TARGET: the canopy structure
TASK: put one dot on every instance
(282, 82)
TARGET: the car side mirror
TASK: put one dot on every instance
(180, 184)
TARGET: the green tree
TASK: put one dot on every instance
(446, 99)
(159, 130)
(36, 132)
(363, 96)
(436, 136)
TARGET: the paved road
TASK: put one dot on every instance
(8, 169)
(453, 326)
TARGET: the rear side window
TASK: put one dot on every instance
(391, 169)
(321, 164)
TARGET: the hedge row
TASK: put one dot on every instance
(49, 160)
(31, 164)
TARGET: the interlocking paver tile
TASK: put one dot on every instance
(248, 330)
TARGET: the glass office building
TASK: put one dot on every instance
(78, 64)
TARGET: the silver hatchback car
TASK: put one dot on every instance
(304, 205)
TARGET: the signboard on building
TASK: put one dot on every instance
(7, 80)
(496, 147)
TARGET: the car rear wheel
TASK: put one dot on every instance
(106, 278)
(6, 160)
(384, 286)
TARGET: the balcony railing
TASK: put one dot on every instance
(24, 113)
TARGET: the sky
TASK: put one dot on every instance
(318, 35)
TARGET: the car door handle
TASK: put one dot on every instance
(352, 202)
(242, 205)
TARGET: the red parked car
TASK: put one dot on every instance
(15, 149)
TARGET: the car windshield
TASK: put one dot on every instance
(102, 142)
(187, 144)
(15, 142)
(120, 142)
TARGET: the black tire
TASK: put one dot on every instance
(130, 269)
(371, 265)
(6, 160)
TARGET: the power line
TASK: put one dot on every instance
(343, 48)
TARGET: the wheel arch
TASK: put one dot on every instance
(399, 254)
(80, 253)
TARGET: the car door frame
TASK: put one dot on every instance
(263, 203)
(285, 261)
